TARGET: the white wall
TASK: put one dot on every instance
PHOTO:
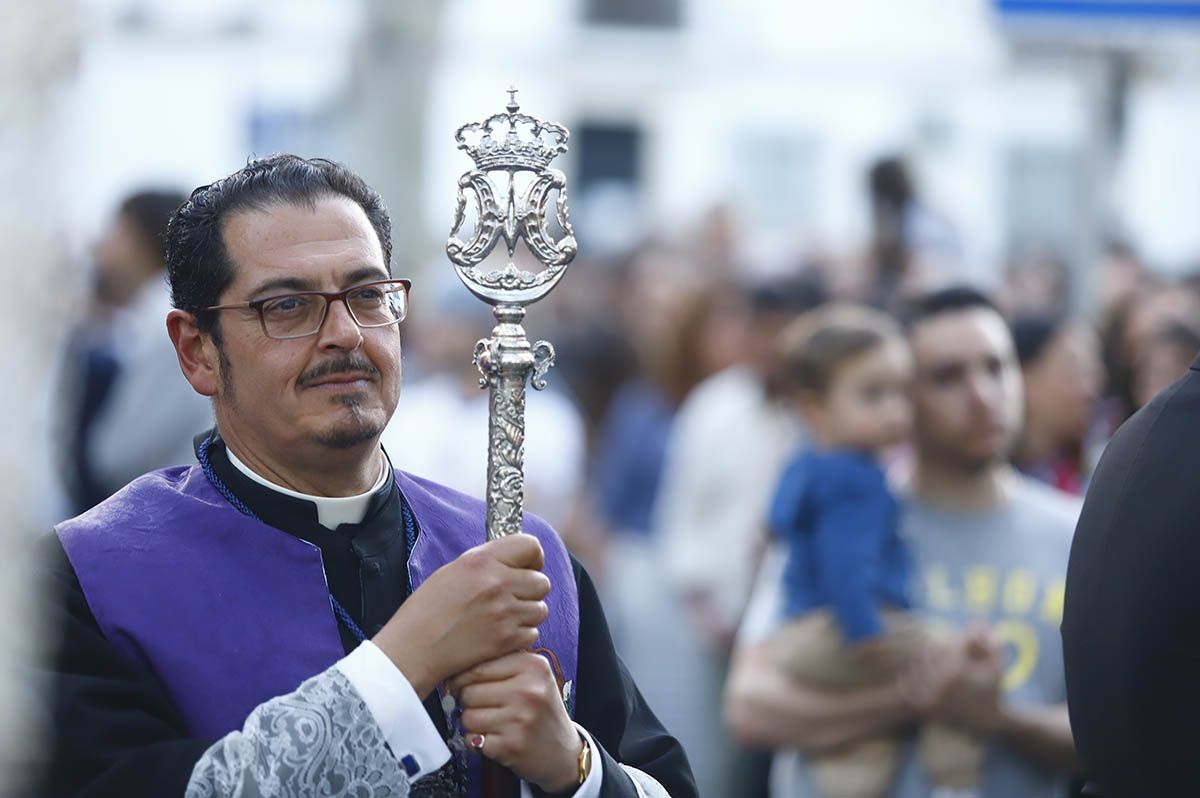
(834, 84)
(846, 80)
(168, 102)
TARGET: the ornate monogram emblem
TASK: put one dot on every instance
(513, 143)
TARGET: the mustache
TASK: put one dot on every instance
(341, 365)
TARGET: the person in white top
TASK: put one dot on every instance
(124, 408)
(728, 443)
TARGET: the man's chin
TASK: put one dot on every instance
(358, 428)
(347, 437)
(982, 459)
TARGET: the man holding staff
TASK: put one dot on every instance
(291, 616)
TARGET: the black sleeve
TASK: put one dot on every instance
(611, 708)
(1131, 619)
(114, 731)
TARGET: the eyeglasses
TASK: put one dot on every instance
(377, 304)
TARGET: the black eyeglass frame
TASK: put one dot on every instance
(257, 306)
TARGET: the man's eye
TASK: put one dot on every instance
(873, 393)
(372, 294)
(286, 306)
(947, 377)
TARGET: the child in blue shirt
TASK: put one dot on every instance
(846, 576)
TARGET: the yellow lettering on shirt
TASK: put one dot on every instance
(939, 596)
(1024, 642)
(980, 583)
(1016, 604)
(1020, 592)
(1052, 603)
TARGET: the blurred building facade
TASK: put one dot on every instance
(773, 108)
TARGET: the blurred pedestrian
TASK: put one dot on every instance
(1126, 332)
(913, 246)
(728, 442)
(1165, 358)
(699, 339)
(1036, 284)
(989, 551)
(1120, 275)
(124, 406)
(1060, 364)
(650, 625)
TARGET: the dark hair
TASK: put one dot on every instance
(149, 212)
(198, 264)
(1179, 334)
(681, 366)
(889, 183)
(892, 196)
(790, 295)
(1032, 334)
(820, 342)
(946, 300)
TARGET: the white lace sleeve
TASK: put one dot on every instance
(645, 784)
(320, 740)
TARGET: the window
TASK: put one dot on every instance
(634, 13)
(608, 153)
(1043, 194)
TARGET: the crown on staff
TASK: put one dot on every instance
(512, 140)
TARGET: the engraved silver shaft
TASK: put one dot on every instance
(506, 361)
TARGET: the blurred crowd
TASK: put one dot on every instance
(669, 420)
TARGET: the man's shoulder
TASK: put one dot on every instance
(1035, 518)
(1174, 412)
(451, 496)
(431, 496)
(1055, 509)
(131, 502)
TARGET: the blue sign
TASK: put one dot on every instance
(1155, 11)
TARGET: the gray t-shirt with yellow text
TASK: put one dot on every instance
(1005, 567)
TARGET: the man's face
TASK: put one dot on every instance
(334, 389)
(967, 392)
(123, 262)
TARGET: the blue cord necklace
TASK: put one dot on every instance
(410, 529)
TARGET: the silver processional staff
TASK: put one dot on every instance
(521, 147)
(515, 144)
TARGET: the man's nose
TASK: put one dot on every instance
(340, 330)
(985, 390)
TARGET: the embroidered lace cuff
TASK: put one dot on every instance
(320, 740)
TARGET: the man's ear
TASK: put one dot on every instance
(197, 353)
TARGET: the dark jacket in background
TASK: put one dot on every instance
(1131, 623)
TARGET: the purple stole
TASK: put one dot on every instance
(228, 612)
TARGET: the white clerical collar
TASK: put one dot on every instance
(331, 510)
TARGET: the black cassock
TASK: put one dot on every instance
(1131, 621)
(115, 731)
